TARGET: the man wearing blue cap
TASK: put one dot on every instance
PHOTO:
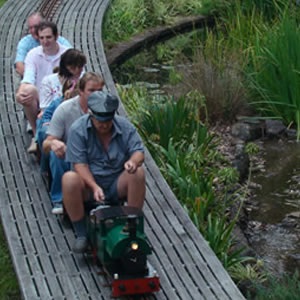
(106, 154)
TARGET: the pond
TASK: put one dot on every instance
(274, 229)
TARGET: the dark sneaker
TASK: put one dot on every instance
(58, 209)
(80, 245)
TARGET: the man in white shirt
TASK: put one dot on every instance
(31, 41)
(39, 62)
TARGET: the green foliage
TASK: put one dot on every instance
(173, 48)
(251, 149)
(184, 167)
(276, 76)
(125, 18)
(8, 282)
(175, 119)
(186, 153)
(219, 82)
(119, 22)
(218, 233)
(269, 9)
(285, 288)
(250, 271)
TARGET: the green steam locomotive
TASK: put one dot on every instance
(118, 241)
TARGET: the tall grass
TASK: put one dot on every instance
(269, 9)
(220, 81)
(125, 18)
(276, 74)
(283, 288)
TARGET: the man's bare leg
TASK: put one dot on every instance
(133, 186)
(28, 96)
(73, 195)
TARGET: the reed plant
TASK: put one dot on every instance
(218, 233)
(269, 9)
(244, 49)
(185, 169)
(172, 118)
(276, 73)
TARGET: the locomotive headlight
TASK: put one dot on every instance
(134, 246)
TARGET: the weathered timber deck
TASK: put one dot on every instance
(39, 243)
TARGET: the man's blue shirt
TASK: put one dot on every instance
(84, 146)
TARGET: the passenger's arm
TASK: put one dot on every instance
(86, 175)
(134, 162)
(20, 67)
(54, 144)
(22, 50)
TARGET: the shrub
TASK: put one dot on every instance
(286, 287)
(219, 84)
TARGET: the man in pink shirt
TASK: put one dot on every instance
(39, 62)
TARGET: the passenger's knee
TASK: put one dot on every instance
(29, 91)
(140, 174)
(71, 181)
(72, 188)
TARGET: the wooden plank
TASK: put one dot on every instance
(193, 235)
(184, 247)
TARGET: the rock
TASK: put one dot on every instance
(247, 131)
(291, 133)
(241, 161)
(274, 128)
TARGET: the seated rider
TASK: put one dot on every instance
(31, 41)
(57, 133)
(68, 91)
(106, 154)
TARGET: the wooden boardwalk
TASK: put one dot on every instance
(39, 243)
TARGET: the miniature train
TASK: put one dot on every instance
(118, 241)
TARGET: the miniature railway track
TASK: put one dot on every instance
(39, 243)
(49, 7)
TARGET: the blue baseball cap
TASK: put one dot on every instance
(102, 105)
